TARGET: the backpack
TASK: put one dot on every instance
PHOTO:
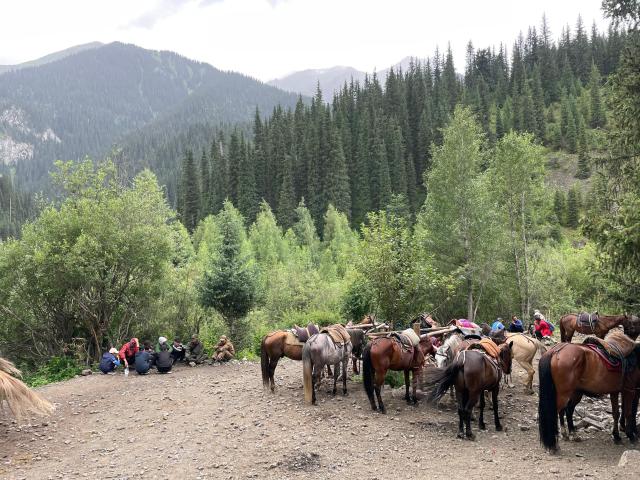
(551, 326)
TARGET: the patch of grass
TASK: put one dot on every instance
(55, 370)
(394, 379)
(248, 354)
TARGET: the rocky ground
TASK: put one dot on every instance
(217, 422)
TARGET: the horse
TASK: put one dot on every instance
(448, 350)
(20, 398)
(486, 328)
(387, 353)
(523, 350)
(472, 372)
(273, 347)
(569, 325)
(358, 341)
(568, 371)
(631, 327)
(318, 351)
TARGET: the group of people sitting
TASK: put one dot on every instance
(541, 328)
(164, 356)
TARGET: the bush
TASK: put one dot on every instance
(394, 379)
(55, 370)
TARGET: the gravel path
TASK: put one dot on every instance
(216, 422)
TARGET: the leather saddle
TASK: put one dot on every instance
(338, 334)
(303, 334)
(587, 320)
(404, 341)
(488, 346)
(616, 344)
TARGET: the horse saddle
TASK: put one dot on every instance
(587, 320)
(303, 334)
(404, 341)
(616, 344)
(489, 347)
(338, 333)
(291, 339)
(471, 332)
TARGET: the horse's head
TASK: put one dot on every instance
(505, 356)
(426, 345)
(498, 336)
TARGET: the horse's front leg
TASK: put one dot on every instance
(406, 386)
(336, 373)
(494, 399)
(461, 414)
(345, 366)
(414, 384)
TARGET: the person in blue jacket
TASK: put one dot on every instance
(144, 359)
(109, 361)
(497, 325)
(516, 325)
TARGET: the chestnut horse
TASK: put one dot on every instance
(472, 372)
(386, 353)
(274, 346)
(569, 325)
(568, 371)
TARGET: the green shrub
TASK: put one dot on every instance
(55, 370)
(394, 379)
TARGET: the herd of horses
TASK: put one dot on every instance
(448, 358)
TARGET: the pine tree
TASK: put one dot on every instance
(499, 125)
(380, 179)
(560, 207)
(573, 205)
(190, 191)
(286, 196)
(219, 174)
(597, 113)
(538, 103)
(248, 201)
(584, 169)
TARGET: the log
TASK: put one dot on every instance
(441, 331)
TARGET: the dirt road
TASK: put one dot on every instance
(216, 422)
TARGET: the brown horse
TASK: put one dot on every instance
(472, 372)
(387, 353)
(569, 325)
(274, 346)
(631, 327)
(567, 372)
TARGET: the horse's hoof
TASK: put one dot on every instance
(460, 435)
(383, 411)
(616, 439)
(482, 426)
(345, 393)
(529, 391)
(471, 436)
(498, 428)
(575, 438)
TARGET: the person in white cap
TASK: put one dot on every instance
(109, 361)
(163, 341)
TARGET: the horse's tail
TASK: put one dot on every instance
(540, 346)
(547, 408)
(441, 379)
(20, 398)
(264, 362)
(367, 372)
(307, 374)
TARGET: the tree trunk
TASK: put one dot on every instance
(525, 258)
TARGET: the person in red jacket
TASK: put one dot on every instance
(542, 328)
(128, 352)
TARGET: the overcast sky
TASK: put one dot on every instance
(270, 38)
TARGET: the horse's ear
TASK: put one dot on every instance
(511, 344)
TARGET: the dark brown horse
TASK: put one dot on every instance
(631, 327)
(472, 372)
(387, 353)
(569, 325)
(358, 341)
(567, 372)
(274, 346)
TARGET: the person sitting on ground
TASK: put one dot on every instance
(164, 360)
(177, 350)
(128, 352)
(195, 351)
(497, 328)
(224, 350)
(162, 341)
(109, 361)
(144, 359)
(542, 328)
(516, 325)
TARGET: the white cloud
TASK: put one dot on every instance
(269, 38)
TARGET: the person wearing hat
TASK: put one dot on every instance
(224, 350)
(109, 361)
(177, 350)
(195, 351)
(163, 341)
(128, 352)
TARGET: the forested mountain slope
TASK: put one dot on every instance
(84, 103)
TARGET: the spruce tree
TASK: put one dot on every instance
(190, 191)
(560, 207)
(248, 201)
(336, 189)
(286, 196)
(205, 186)
(584, 168)
(573, 205)
(597, 113)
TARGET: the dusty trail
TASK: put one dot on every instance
(216, 422)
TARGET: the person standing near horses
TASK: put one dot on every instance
(128, 352)
(516, 325)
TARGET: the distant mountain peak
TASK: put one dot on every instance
(52, 57)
